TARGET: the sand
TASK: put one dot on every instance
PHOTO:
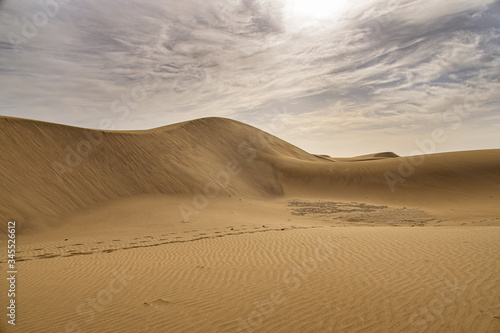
(214, 226)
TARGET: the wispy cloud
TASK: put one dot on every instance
(374, 78)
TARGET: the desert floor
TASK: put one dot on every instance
(243, 265)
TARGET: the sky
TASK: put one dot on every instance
(336, 77)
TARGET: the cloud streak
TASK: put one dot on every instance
(385, 70)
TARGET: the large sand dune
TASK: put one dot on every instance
(49, 169)
(215, 226)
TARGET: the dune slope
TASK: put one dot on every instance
(49, 169)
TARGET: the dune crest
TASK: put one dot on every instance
(50, 169)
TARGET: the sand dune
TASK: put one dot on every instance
(56, 169)
(212, 225)
(50, 169)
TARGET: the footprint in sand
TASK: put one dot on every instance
(161, 303)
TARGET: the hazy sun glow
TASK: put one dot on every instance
(318, 9)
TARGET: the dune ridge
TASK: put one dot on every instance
(49, 169)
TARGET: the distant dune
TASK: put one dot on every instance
(49, 169)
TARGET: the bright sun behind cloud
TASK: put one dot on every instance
(311, 11)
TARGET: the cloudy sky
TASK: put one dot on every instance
(333, 77)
